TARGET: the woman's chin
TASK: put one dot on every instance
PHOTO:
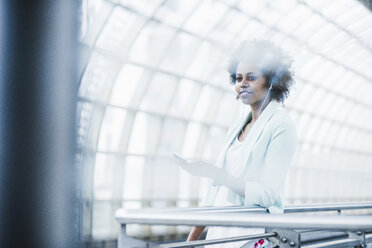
(246, 101)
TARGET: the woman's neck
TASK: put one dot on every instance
(257, 108)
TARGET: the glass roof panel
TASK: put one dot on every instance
(99, 72)
(95, 15)
(355, 11)
(184, 98)
(145, 7)
(335, 9)
(322, 35)
(174, 12)
(120, 30)
(220, 77)
(229, 26)
(253, 30)
(205, 17)
(158, 93)
(179, 53)
(207, 99)
(205, 59)
(252, 7)
(289, 22)
(151, 43)
(308, 27)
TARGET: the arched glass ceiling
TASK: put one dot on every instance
(153, 81)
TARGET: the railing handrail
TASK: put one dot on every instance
(340, 222)
(288, 209)
(216, 241)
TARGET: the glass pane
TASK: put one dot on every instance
(293, 18)
(228, 27)
(207, 101)
(145, 133)
(145, 7)
(179, 53)
(315, 101)
(85, 117)
(97, 13)
(119, 31)
(133, 177)
(308, 27)
(99, 72)
(252, 29)
(227, 109)
(193, 140)
(151, 44)
(214, 143)
(252, 7)
(171, 137)
(185, 98)
(104, 223)
(164, 179)
(220, 77)
(108, 177)
(111, 130)
(205, 17)
(206, 58)
(174, 12)
(125, 85)
(159, 93)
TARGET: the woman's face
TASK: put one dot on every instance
(250, 84)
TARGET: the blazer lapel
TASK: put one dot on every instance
(220, 161)
(253, 135)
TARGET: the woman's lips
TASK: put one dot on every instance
(245, 94)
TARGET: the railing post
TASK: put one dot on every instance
(360, 235)
(39, 179)
(124, 241)
(285, 238)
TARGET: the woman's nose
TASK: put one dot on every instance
(245, 82)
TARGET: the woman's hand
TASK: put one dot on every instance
(218, 175)
(201, 169)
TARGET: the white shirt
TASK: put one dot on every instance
(232, 160)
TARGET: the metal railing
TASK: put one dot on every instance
(283, 230)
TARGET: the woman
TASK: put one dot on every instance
(258, 149)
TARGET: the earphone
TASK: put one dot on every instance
(268, 91)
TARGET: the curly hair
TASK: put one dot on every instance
(271, 60)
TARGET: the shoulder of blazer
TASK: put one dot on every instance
(282, 120)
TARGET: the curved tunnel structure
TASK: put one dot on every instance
(153, 81)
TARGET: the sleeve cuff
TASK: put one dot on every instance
(252, 193)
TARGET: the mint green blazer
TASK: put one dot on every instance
(266, 154)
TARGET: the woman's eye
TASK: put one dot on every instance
(239, 79)
(252, 78)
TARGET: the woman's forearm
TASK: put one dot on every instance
(195, 233)
(233, 183)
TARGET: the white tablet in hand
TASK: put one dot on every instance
(179, 158)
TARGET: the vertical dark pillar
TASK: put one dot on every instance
(38, 54)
